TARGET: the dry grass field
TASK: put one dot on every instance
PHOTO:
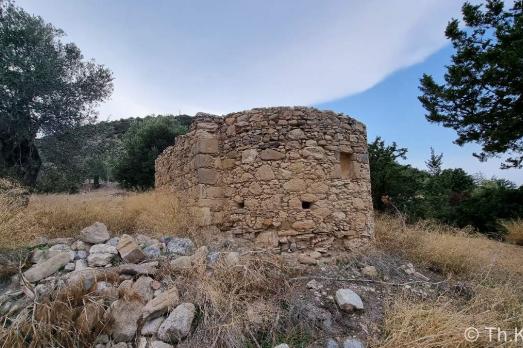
(62, 215)
(487, 275)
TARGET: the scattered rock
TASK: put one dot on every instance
(126, 284)
(160, 344)
(125, 315)
(79, 245)
(143, 287)
(148, 268)
(119, 345)
(60, 247)
(151, 327)
(353, 343)
(348, 300)
(144, 240)
(331, 343)
(113, 241)
(156, 285)
(152, 251)
(317, 316)
(282, 345)
(69, 267)
(38, 255)
(80, 254)
(130, 250)
(102, 339)
(180, 246)
(103, 249)
(142, 342)
(212, 257)
(48, 267)
(106, 290)
(178, 323)
(96, 233)
(80, 264)
(99, 259)
(161, 303)
(181, 263)
(85, 278)
(369, 271)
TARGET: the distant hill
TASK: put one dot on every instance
(86, 152)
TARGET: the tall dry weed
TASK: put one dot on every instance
(154, 213)
(514, 231)
(450, 250)
(416, 323)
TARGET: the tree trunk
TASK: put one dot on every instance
(19, 159)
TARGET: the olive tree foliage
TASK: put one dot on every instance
(482, 96)
(142, 143)
(46, 87)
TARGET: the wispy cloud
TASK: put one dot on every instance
(221, 56)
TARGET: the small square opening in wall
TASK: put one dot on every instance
(306, 205)
(347, 165)
(240, 205)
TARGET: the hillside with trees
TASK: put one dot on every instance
(99, 151)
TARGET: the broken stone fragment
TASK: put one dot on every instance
(103, 249)
(271, 155)
(143, 287)
(152, 251)
(161, 304)
(160, 344)
(148, 268)
(96, 233)
(348, 300)
(180, 246)
(353, 343)
(125, 315)
(178, 324)
(181, 263)
(100, 259)
(130, 250)
(151, 327)
(48, 267)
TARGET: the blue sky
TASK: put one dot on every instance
(362, 58)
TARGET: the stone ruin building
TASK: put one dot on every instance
(289, 179)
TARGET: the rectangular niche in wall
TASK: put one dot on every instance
(347, 165)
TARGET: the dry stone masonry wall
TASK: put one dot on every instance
(286, 179)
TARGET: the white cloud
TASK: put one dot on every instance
(222, 56)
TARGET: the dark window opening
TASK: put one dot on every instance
(306, 205)
(241, 204)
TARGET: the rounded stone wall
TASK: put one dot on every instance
(287, 179)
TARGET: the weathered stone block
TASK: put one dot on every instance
(271, 155)
(207, 176)
(206, 145)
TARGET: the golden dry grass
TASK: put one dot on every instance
(514, 231)
(62, 215)
(491, 269)
(450, 250)
(442, 323)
